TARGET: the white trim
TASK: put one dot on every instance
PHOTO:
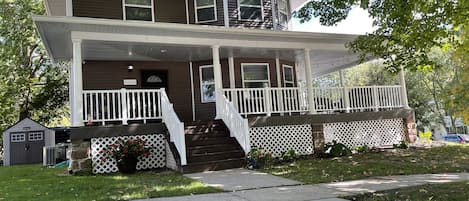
(278, 12)
(187, 12)
(277, 68)
(255, 64)
(309, 81)
(37, 135)
(214, 6)
(191, 71)
(152, 7)
(46, 6)
(226, 17)
(252, 6)
(76, 84)
(200, 83)
(285, 82)
(69, 7)
(15, 137)
(231, 69)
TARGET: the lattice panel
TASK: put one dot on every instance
(370, 133)
(157, 159)
(278, 139)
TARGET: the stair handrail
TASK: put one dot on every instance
(174, 126)
(238, 126)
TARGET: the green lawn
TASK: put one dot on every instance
(450, 191)
(33, 182)
(445, 159)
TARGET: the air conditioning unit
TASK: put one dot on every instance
(49, 156)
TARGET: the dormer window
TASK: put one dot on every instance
(282, 8)
(138, 10)
(205, 11)
(250, 10)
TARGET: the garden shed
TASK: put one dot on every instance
(23, 142)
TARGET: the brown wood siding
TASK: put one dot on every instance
(170, 11)
(110, 75)
(267, 23)
(109, 9)
(220, 17)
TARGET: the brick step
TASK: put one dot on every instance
(214, 165)
(210, 141)
(214, 156)
(212, 148)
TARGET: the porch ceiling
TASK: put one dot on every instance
(105, 39)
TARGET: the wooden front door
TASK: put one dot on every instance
(155, 79)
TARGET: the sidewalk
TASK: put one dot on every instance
(297, 192)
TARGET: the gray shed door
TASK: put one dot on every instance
(26, 147)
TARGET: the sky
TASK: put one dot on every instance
(357, 22)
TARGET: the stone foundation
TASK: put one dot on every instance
(80, 158)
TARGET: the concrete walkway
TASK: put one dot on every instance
(298, 192)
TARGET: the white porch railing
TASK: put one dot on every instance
(238, 126)
(174, 125)
(121, 105)
(329, 99)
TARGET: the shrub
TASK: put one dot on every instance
(258, 158)
(403, 145)
(335, 149)
(427, 136)
(362, 149)
(124, 149)
(289, 156)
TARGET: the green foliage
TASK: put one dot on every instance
(362, 149)
(30, 85)
(406, 31)
(403, 145)
(335, 149)
(427, 136)
(123, 149)
(259, 158)
(289, 156)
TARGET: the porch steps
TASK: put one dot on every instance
(210, 147)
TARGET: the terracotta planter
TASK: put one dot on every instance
(127, 165)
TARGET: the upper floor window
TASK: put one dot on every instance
(138, 10)
(255, 75)
(205, 11)
(282, 8)
(250, 10)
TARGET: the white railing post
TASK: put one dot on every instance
(405, 101)
(375, 98)
(125, 117)
(247, 140)
(268, 101)
(346, 99)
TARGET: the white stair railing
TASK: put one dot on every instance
(238, 126)
(174, 125)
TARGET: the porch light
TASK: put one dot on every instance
(130, 67)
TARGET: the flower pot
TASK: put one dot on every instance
(127, 165)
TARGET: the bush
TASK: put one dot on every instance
(362, 149)
(426, 136)
(289, 156)
(259, 158)
(402, 145)
(335, 149)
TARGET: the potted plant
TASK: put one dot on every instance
(126, 153)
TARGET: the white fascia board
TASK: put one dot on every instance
(45, 42)
(193, 28)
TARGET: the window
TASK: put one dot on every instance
(17, 137)
(288, 80)
(138, 10)
(35, 136)
(205, 11)
(250, 10)
(282, 8)
(255, 75)
(207, 84)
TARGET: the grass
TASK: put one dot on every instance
(450, 191)
(33, 182)
(447, 159)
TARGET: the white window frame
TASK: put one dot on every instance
(285, 13)
(152, 7)
(285, 82)
(14, 138)
(214, 5)
(255, 64)
(201, 83)
(253, 6)
(36, 133)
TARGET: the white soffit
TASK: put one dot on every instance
(55, 7)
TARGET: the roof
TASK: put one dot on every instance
(26, 122)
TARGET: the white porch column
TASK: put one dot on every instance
(405, 101)
(344, 91)
(309, 81)
(277, 68)
(217, 75)
(231, 69)
(76, 86)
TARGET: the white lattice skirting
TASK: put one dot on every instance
(156, 160)
(279, 139)
(370, 133)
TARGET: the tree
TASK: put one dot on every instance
(30, 84)
(406, 30)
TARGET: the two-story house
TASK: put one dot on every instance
(218, 76)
